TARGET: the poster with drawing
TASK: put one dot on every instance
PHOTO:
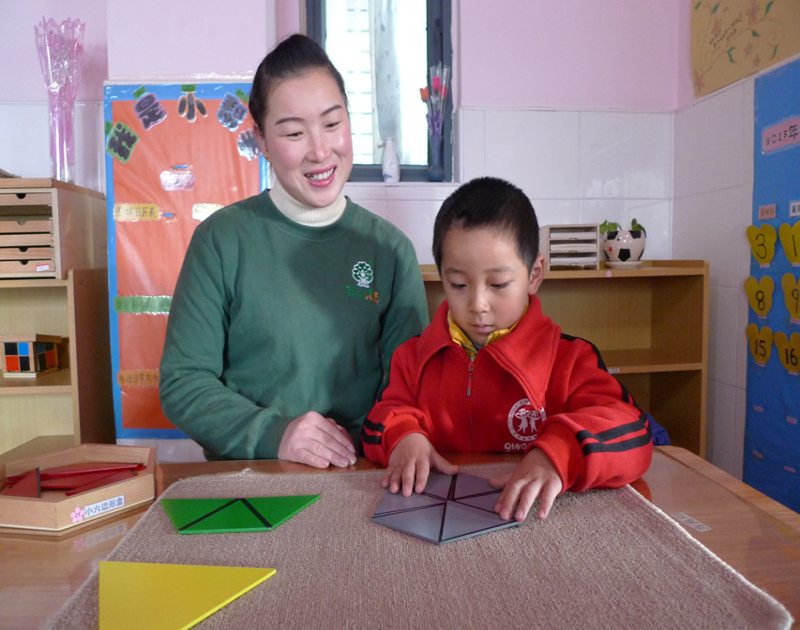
(175, 153)
(732, 39)
(772, 432)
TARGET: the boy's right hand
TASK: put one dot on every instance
(410, 464)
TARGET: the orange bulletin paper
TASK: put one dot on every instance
(138, 595)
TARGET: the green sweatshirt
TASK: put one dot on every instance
(271, 319)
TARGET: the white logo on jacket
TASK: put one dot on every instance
(362, 274)
(524, 421)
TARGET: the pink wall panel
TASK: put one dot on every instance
(20, 74)
(569, 54)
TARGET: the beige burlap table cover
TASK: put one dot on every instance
(602, 559)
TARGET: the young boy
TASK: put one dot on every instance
(492, 373)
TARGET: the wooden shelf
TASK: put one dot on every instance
(59, 382)
(76, 400)
(650, 324)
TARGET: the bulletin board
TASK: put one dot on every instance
(772, 432)
(732, 39)
(175, 153)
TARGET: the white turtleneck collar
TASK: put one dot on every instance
(303, 214)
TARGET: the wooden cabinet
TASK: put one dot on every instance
(73, 404)
(651, 326)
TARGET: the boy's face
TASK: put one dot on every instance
(485, 281)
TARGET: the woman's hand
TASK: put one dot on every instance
(317, 441)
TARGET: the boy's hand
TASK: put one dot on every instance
(413, 457)
(317, 441)
(534, 477)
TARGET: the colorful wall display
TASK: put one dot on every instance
(732, 39)
(772, 430)
(174, 155)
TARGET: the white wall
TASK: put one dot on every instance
(712, 209)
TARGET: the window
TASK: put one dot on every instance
(347, 30)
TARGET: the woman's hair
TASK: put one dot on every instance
(294, 56)
(492, 203)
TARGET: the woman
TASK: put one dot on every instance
(290, 304)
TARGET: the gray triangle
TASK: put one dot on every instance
(463, 521)
(438, 485)
(425, 523)
(397, 502)
(468, 485)
(483, 501)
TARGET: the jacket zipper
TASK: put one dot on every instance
(469, 406)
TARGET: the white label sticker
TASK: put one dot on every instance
(691, 522)
(794, 208)
(104, 506)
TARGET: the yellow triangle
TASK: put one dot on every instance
(136, 595)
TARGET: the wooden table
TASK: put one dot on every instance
(755, 535)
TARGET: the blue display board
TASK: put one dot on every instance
(175, 153)
(772, 432)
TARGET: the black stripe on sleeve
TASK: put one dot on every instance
(596, 350)
(375, 427)
(601, 445)
(370, 439)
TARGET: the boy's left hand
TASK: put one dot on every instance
(534, 477)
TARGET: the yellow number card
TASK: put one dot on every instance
(762, 243)
(760, 343)
(789, 351)
(759, 294)
(791, 295)
(790, 239)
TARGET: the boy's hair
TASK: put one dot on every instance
(294, 56)
(493, 203)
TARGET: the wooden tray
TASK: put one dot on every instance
(55, 513)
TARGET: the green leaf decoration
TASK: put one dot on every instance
(139, 92)
(755, 34)
(769, 6)
(608, 226)
(698, 5)
(730, 56)
(774, 52)
(716, 6)
(189, 87)
(635, 225)
(109, 127)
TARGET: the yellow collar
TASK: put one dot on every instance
(461, 338)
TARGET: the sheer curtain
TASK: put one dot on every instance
(380, 47)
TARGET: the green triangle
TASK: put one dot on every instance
(278, 510)
(207, 516)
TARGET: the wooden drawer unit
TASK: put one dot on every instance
(48, 227)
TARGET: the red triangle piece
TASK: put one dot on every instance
(120, 475)
(28, 486)
(81, 468)
(69, 482)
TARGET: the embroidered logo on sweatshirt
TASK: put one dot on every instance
(363, 274)
(524, 421)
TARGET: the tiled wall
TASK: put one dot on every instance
(712, 209)
(578, 166)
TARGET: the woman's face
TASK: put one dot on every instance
(307, 137)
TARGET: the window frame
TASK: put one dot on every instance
(440, 49)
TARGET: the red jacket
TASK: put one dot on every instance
(535, 387)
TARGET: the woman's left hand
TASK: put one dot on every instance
(317, 441)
